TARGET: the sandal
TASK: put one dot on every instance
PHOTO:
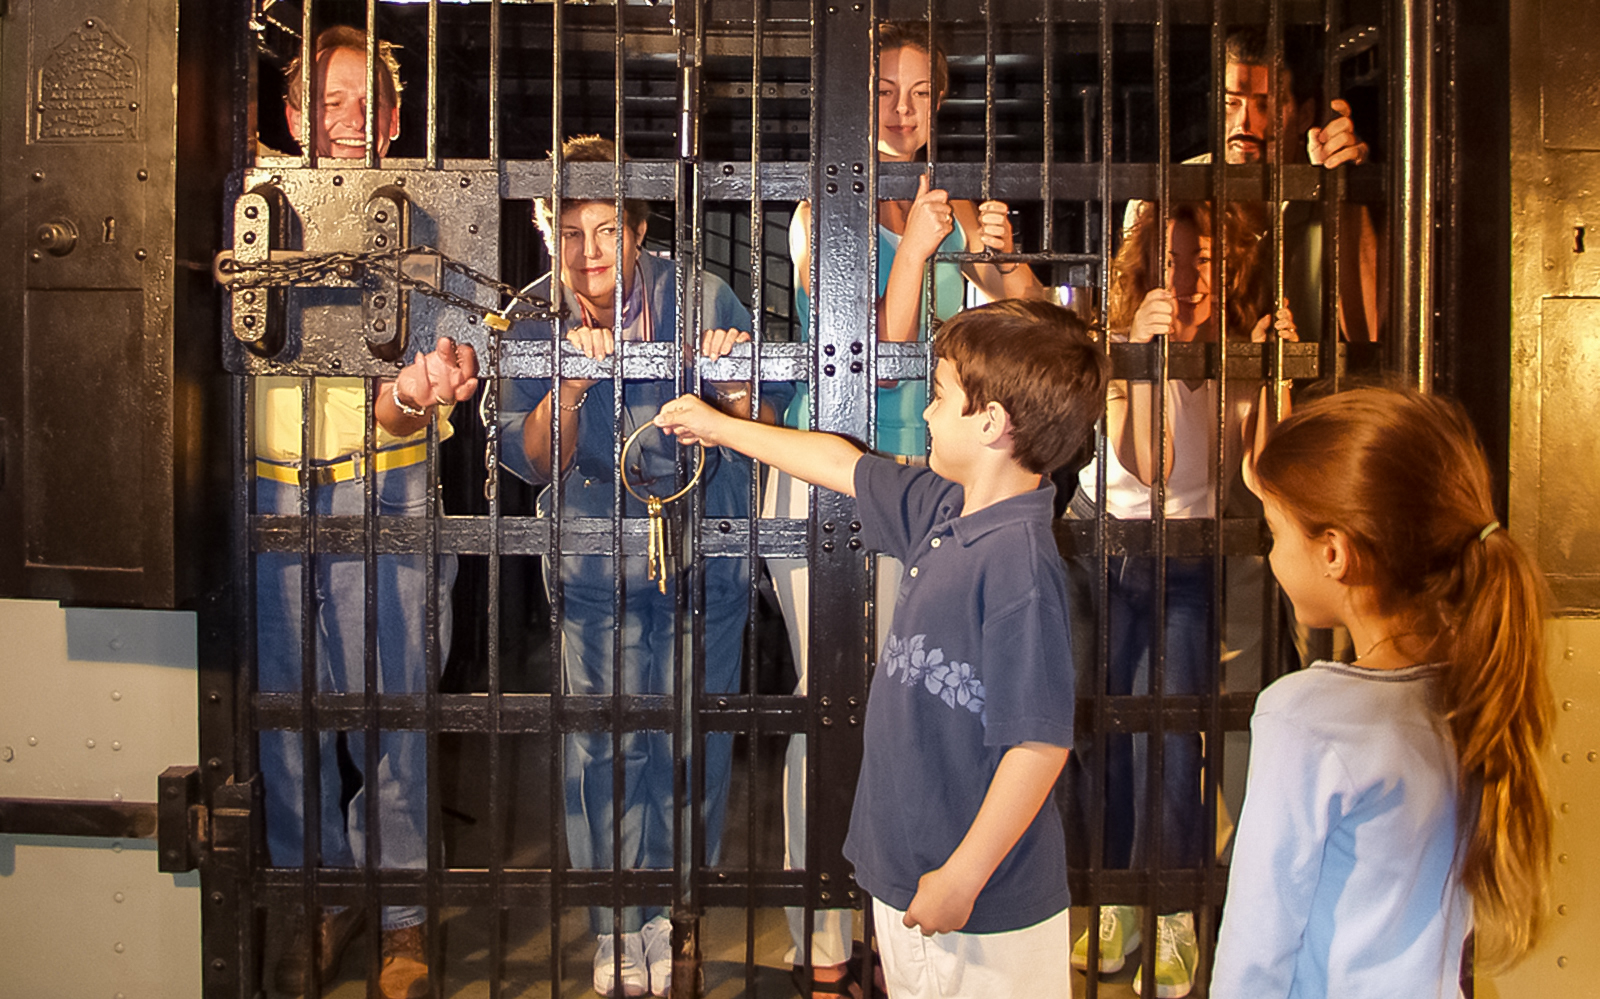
(844, 986)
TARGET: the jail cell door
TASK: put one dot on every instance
(100, 507)
(342, 271)
(338, 271)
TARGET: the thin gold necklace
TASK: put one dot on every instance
(1380, 643)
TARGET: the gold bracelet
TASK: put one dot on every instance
(572, 408)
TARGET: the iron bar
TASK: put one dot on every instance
(77, 817)
(433, 85)
(1156, 741)
(619, 434)
(1047, 115)
(1413, 193)
(988, 102)
(374, 102)
(498, 819)
(758, 312)
(689, 770)
(1096, 792)
(310, 732)
(433, 667)
(558, 744)
(310, 87)
(1333, 203)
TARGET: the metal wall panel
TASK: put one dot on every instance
(87, 137)
(1554, 457)
(73, 479)
(1565, 958)
(1568, 542)
(93, 705)
(1569, 79)
(1555, 295)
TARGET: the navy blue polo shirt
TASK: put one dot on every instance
(978, 660)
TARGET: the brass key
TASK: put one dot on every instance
(658, 549)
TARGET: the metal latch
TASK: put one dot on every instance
(179, 820)
(386, 306)
(186, 827)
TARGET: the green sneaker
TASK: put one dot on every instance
(1176, 955)
(1119, 937)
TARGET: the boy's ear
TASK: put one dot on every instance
(996, 424)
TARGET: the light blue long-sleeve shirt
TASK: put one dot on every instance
(1343, 880)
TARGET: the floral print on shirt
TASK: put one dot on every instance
(956, 684)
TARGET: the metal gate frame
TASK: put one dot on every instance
(841, 180)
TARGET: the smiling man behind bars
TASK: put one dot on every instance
(431, 383)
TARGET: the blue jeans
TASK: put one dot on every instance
(339, 620)
(1191, 653)
(650, 633)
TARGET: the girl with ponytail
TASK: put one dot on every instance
(1397, 801)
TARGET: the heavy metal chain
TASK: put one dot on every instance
(311, 268)
(491, 423)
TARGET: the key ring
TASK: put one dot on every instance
(656, 556)
(694, 479)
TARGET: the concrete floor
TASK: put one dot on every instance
(467, 971)
(754, 831)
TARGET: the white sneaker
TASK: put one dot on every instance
(1177, 952)
(634, 982)
(657, 935)
(1119, 937)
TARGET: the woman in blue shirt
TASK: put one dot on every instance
(588, 274)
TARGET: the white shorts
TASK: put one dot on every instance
(1030, 963)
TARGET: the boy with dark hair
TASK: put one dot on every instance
(954, 833)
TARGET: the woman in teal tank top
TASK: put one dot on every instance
(900, 404)
(910, 86)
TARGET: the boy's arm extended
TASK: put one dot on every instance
(821, 459)
(1023, 780)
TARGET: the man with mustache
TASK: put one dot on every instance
(1251, 125)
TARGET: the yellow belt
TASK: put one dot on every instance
(345, 469)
